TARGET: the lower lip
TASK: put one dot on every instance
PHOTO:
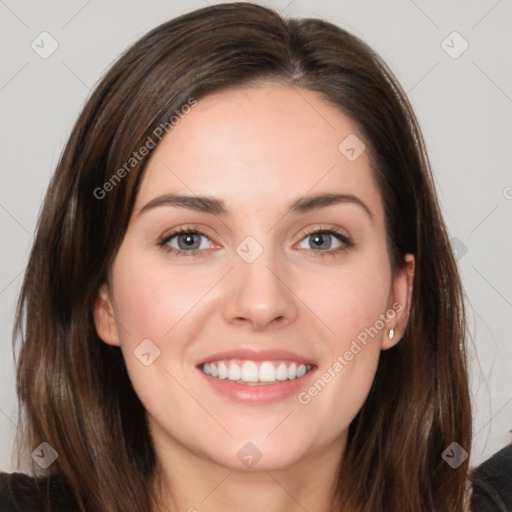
(259, 393)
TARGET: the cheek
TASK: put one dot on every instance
(351, 305)
(153, 303)
(152, 297)
(162, 303)
(351, 299)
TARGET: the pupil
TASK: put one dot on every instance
(189, 239)
(319, 237)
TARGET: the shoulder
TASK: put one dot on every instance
(22, 493)
(492, 483)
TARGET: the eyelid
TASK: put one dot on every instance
(327, 228)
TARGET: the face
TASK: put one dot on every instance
(265, 285)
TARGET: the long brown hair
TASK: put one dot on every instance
(73, 388)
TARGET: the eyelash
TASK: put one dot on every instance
(347, 243)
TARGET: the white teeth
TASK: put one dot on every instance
(282, 372)
(233, 372)
(223, 370)
(250, 372)
(267, 372)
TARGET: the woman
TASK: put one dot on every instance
(187, 340)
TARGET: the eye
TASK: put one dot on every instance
(188, 242)
(323, 239)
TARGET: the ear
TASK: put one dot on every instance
(400, 303)
(104, 317)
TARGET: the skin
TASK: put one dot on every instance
(258, 148)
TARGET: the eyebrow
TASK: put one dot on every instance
(216, 206)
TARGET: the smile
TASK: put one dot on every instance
(255, 372)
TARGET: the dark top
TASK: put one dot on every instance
(492, 489)
(21, 493)
(492, 483)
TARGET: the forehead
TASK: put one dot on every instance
(260, 145)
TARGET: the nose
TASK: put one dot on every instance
(259, 294)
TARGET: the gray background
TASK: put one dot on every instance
(463, 104)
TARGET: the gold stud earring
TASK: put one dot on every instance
(391, 333)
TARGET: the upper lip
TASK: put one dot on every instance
(273, 354)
